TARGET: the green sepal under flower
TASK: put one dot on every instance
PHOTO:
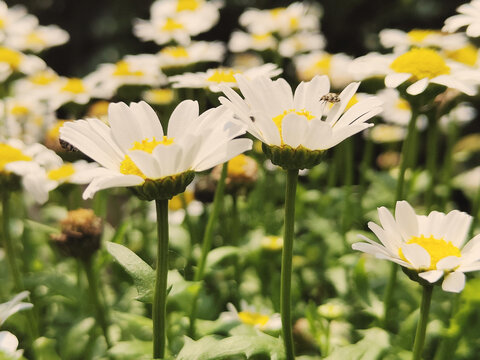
(164, 188)
(289, 158)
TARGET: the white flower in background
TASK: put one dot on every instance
(466, 55)
(195, 52)
(39, 85)
(20, 159)
(248, 315)
(135, 147)
(208, 11)
(276, 116)
(142, 69)
(396, 110)
(9, 345)
(284, 21)
(213, 78)
(372, 65)
(75, 90)
(41, 181)
(14, 19)
(468, 181)
(461, 114)
(335, 66)
(38, 38)
(12, 61)
(300, 43)
(386, 133)
(162, 96)
(469, 16)
(13, 306)
(241, 41)
(402, 41)
(433, 245)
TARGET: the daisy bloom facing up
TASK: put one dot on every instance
(430, 246)
(135, 151)
(304, 121)
(214, 78)
(248, 315)
(241, 41)
(469, 16)
(37, 39)
(195, 52)
(12, 61)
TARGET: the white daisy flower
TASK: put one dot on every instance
(14, 19)
(195, 52)
(39, 85)
(432, 246)
(208, 11)
(242, 41)
(300, 43)
(469, 16)
(248, 315)
(136, 149)
(386, 133)
(467, 54)
(461, 114)
(13, 306)
(38, 38)
(213, 78)
(396, 110)
(276, 116)
(335, 66)
(41, 181)
(12, 61)
(468, 181)
(75, 90)
(9, 345)
(162, 96)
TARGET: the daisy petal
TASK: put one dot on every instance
(431, 276)
(416, 255)
(454, 282)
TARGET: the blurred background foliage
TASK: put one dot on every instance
(101, 30)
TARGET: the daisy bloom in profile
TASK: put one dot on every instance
(432, 247)
(248, 315)
(304, 120)
(213, 78)
(14, 19)
(402, 41)
(38, 38)
(12, 60)
(300, 43)
(195, 52)
(160, 96)
(39, 85)
(75, 90)
(242, 41)
(469, 16)
(135, 151)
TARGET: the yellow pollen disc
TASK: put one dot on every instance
(322, 67)
(236, 165)
(176, 203)
(128, 167)
(10, 154)
(277, 11)
(54, 132)
(122, 68)
(261, 37)
(43, 78)
(421, 63)
(19, 110)
(171, 25)
(159, 96)
(417, 36)
(279, 118)
(222, 76)
(467, 55)
(2, 23)
(35, 39)
(294, 23)
(272, 242)
(62, 173)
(175, 51)
(190, 5)
(253, 318)
(402, 104)
(11, 57)
(74, 85)
(436, 248)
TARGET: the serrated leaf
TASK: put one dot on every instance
(216, 256)
(213, 348)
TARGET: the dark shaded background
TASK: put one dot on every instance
(101, 30)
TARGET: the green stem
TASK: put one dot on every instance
(207, 241)
(475, 211)
(235, 221)
(364, 167)
(9, 246)
(432, 144)
(287, 254)
(160, 294)
(347, 201)
(422, 322)
(93, 294)
(452, 134)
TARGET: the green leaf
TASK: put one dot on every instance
(142, 274)
(139, 326)
(77, 339)
(36, 226)
(131, 350)
(372, 347)
(213, 348)
(45, 349)
(218, 255)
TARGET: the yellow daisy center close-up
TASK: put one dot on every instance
(122, 68)
(279, 118)
(223, 76)
(436, 248)
(172, 25)
(64, 172)
(10, 154)
(74, 86)
(175, 51)
(421, 64)
(467, 55)
(253, 318)
(418, 36)
(128, 167)
(187, 5)
(11, 57)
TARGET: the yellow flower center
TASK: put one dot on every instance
(11, 57)
(421, 63)
(272, 242)
(122, 68)
(10, 154)
(417, 36)
(128, 167)
(253, 318)
(436, 248)
(322, 66)
(35, 39)
(467, 55)
(19, 110)
(236, 165)
(74, 86)
(294, 22)
(62, 173)
(402, 104)
(171, 25)
(176, 203)
(277, 11)
(223, 75)
(175, 51)
(43, 78)
(159, 96)
(2, 23)
(261, 37)
(190, 5)
(54, 132)
(279, 118)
